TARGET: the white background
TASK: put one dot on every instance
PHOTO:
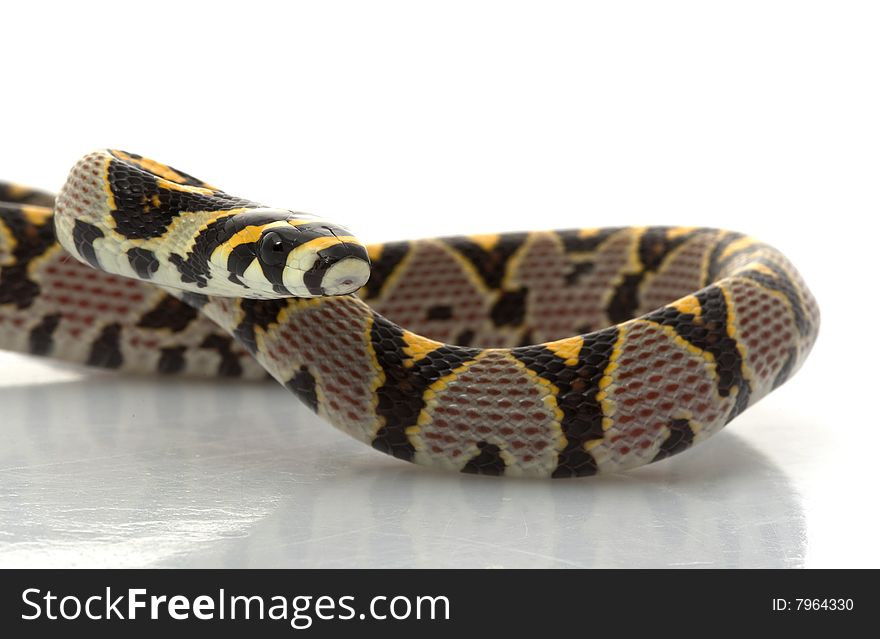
(416, 119)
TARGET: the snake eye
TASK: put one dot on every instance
(272, 249)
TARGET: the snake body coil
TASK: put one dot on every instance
(542, 354)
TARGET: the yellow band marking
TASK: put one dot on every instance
(36, 215)
(487, 242)
(378, 378)
(680, 341)
(512, 279)
(35, 264)
(374, 251)
(320, 243)
(688, 416)
(608, 407)
(7, 245)
(685, 345)
(430, 398)
(680, 231)
(735, 246)
(305, 220)
(689, 305)
(248, 235)
(186, 188)
(178, 236)
(418, 347)
(470, 271)
(633, 266)
(757, 267)
(18, 191)
(160, 170)
(568, 349)
(549, 400)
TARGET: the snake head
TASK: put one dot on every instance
(129, 215)
(275, 253)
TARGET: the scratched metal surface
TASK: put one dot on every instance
(103, 470)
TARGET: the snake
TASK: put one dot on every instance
(539, 354)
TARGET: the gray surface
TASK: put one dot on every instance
(104, 470)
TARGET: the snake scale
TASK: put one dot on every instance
(541, 354)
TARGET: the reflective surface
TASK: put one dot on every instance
(103, 470)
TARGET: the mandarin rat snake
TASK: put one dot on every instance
(543, 354)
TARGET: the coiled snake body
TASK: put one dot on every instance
(542, 354)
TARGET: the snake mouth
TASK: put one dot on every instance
(345, 276)
(338, 269)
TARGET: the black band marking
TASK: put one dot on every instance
(625, 301)
(780, 283)
(31, 241)
(715, 261)
(578, 270)
(573, 242)
(401, 396)
(145, 209)
(84, 236)
(392, 255)
(487, 462)
(303, 385)
(578, 387)
(15, 194)
(143, 262)
(170, 313)
(105, 351)
(439, 312)
(491, 264)
(680, 438)
(262, 313)
(510, 308)
(40, 340)
(171, 360)
(189, 272)
(465, 338)
(708, 332)
(196, 300)
(229, 366)
(655, 246)
(784, 372)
